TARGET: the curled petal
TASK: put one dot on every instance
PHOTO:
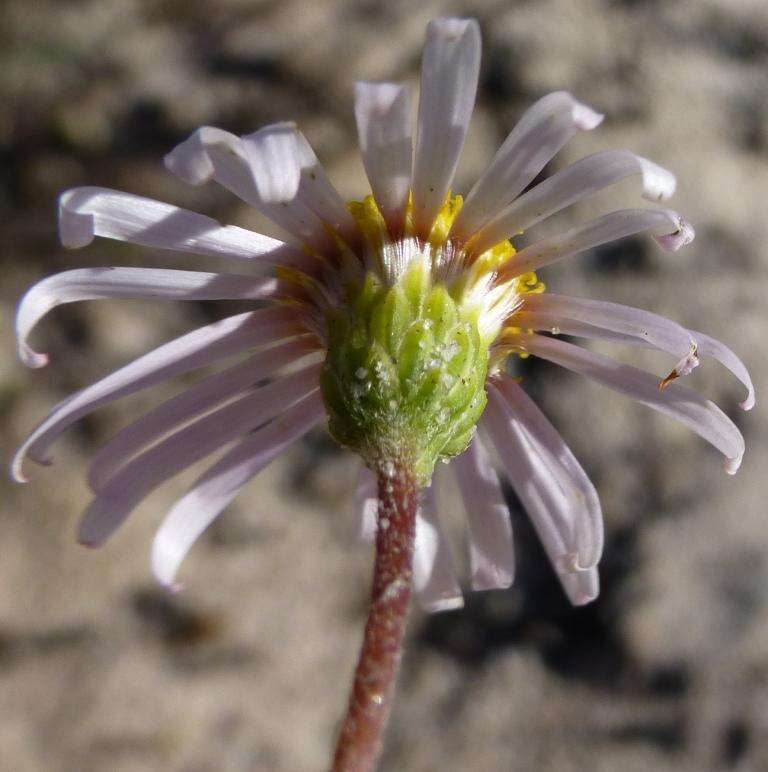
(85, 213)
(192, 402)
(383, 114)
(552, 511)
(263, 169)
(136, 283)
(195, 349)
(213, 154)
(624, 324)
(434, 574)
(603, 230)
(223, 481)
(714, 348)
(698, 414)
(139, 477)
(605, 321)
(275, 158)
(492, 554)
(539, 135)
(683, 235)
(570, 185)
(449, 73)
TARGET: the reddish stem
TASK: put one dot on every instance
(370, 701)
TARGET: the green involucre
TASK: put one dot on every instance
(405, 372)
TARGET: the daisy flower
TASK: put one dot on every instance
(393, 320)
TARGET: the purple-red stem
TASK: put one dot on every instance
(373, 688)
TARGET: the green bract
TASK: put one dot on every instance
(404, 373)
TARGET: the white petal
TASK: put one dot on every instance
(366, 504)
(449, 72)
(492, 554)
(193, 350)
(140, 476)
(88, 212)
(698, 414)
(719, 351)
(550, 511)
(550, 446)
(223, 481)
(539, 135)
(383, 114)
(192, 402)
(573, 184)
(434, 574)
(609, 227)
(138, 283)
(319, 194)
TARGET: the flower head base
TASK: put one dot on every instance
(405, 372)
(393, 318)
(408, 346)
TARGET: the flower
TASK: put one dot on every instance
(393, 318)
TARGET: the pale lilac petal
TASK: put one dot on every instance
(140, 476)
(366, 504)
(719, 351)
(192, 402)
(449, 73)
(575, 513)
(570, 185)
(273, 154)
(588, 514)
(318, 192)
(550, 510)
(679, 402)
(624, 324)
(605, 321)
(128, 283)
(192, 514)
(491, 551)
(211, 153)
(275, 161)
(539, 135)
(434, 573)
(85, 213)
(680, 237)
(263, 169)
(195, 349)
(384, 127)
(609, 227)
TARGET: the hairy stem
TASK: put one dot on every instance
(373, 688)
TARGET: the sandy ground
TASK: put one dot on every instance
(247, 669)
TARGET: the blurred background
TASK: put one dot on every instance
(248, 668)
